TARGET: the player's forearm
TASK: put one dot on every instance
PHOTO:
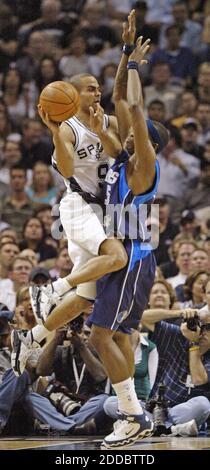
(64, 160)
(134, 89)
(120, 84)
(110, 142)
(198, 372)
(158, 314)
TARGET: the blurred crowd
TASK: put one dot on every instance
(46, 40)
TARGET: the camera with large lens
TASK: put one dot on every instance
(77, 324)
(193, 323)
(62, 399)
(158, 406)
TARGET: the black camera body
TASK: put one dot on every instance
(193, 323)
(76, 324)
(158, 406)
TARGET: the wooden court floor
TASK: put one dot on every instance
(93, 443)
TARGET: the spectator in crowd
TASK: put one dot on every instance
(162, 295)
(17, 105)
(52, 22)
(203, 82)
(17, 207)
(63, 264)
(42, 189)
(177, 356)
(192, 293)
(44, 213)
(157, 111)
(188, 106)
(143, 28)
(37, 46)
(167, 230)
(19, 277)
(183, 262)
(189, 136)
(24, 317)
(77, 60)
(107, 78)
(188, 225)
(197, 199)
(34, 145)
(8, 251)
(34, 238)
(8, 36)
(162, 89)
(46, 73)
(178, 169)
(203, 117)
(146, 363)
(8, 232)
(98, 34)
(31, 255)
(12, 156)
(191, 30)
(5, 128)
(181, 59)
(199, 259)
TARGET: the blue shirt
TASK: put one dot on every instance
(173, 367)
(126, 213)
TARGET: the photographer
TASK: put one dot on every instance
(183, 368)
(75, 363)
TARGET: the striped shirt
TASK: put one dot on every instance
(173, 368)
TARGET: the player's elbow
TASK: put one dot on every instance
(133, 107)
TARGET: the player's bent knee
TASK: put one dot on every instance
(118, 261)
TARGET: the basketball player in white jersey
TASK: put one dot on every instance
(81, 156)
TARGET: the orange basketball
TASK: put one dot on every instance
(60, 100)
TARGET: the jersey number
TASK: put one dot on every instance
(102, 171)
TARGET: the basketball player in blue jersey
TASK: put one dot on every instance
(122, 296)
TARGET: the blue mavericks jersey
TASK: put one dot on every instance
(126, 214)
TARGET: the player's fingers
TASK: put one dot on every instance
(139, 41)
(91, 111)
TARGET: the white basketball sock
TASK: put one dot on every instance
(61, 286)
(39, 333)
(128, 402)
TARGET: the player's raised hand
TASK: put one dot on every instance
(140, 51)
(129, 29)
(96, 119)
(53, 126)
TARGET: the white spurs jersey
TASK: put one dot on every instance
(90, 161)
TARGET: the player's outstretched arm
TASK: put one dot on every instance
(63, 145)
(143, 161)
(120, 85)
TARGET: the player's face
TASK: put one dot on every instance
(90, 94)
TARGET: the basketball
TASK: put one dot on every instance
(60, 100)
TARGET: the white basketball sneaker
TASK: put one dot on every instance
(43, 300)
(127, 430)
(185, 429)
(22, 344)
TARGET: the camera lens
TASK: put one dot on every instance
(68, 406)
(64, 403)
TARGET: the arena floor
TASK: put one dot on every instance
(93, 443)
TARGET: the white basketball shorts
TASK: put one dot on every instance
(84, 232)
